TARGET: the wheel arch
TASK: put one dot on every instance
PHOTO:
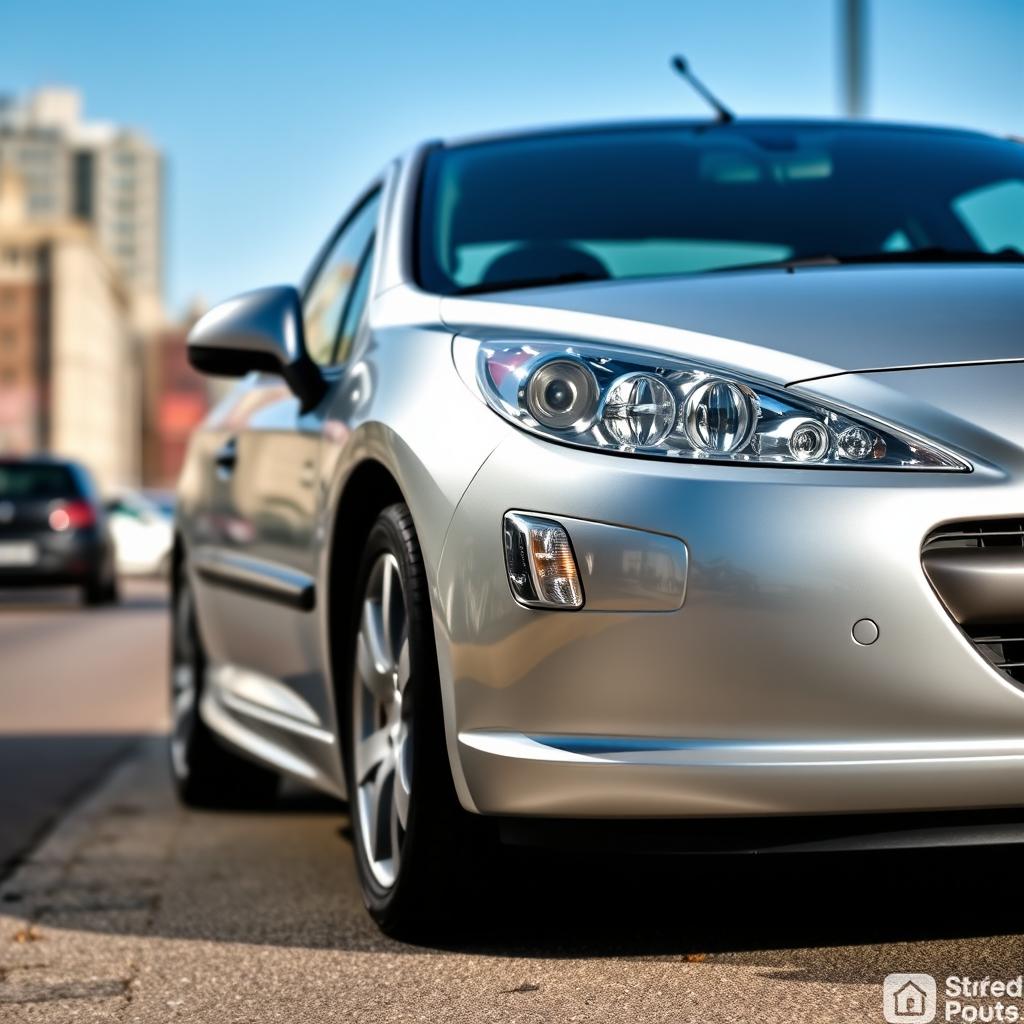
(369, 489)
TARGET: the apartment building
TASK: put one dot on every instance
(102, 174)
(69, 380)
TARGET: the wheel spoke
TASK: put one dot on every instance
(374, 751)
(373, 658)
(403, 665)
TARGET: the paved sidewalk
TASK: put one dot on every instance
(135, 910)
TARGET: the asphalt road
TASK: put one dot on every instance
(77, 688)
(132, 909)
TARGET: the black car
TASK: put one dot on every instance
(53, 529)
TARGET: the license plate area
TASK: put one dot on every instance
(18, 554)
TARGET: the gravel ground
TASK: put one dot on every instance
(136, 910)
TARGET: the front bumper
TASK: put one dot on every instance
(753, 698)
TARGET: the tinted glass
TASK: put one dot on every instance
(684, 199)
(31, 482)
(326, 296)
(355, 309)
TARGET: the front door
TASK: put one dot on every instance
(257, 577)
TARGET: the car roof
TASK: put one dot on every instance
(693, 124)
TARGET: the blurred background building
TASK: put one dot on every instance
(175, 399)
(89, 365)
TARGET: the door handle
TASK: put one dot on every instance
(226, 457)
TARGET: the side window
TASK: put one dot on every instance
(326, 296)
(356, 308)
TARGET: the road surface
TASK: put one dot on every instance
(77, 688)
(131, 909)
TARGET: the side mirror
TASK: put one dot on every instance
(260, 330)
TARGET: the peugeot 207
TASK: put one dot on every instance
(661, 475)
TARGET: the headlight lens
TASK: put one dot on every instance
(639, 410)
(719, 416)
(562, 394)
(635, 403)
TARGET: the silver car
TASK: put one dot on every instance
(655, 480)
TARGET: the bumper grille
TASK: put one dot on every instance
(977, 569)
(1002, 646)
(982, 533)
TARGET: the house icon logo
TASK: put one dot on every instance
(909, 999)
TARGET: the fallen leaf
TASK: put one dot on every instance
(29, 934)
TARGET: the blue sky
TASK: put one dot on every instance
(273, 116)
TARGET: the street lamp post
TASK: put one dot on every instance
(853, 46)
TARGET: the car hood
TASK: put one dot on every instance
(786, 325)
(974, 409)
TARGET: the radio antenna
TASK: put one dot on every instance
(722, 112)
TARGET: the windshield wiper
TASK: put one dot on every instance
(928, 254)
(531, 282)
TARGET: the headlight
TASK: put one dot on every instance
(646, 404)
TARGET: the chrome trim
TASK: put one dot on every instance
(256, 577)
(702, 753)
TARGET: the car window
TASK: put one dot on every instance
(356, 308)
(333, 280)
(620, 203)
(37, 482)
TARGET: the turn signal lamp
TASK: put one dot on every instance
(540, 563)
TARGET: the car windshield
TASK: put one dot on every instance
(36, 482)
(620, 203)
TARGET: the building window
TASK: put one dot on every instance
(83, 182)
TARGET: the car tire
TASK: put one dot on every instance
(101, 589)
(396, 760)
(206, 773)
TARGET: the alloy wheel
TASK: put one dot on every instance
(382, 742)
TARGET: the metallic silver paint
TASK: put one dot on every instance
(750, 698)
